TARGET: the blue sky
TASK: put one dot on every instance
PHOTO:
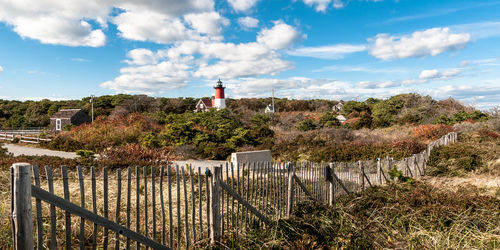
(331, 49)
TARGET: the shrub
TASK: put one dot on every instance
(67, 127)
(85, 153)
(133, 154)
(455, 159)
(305, 125)
(488, 133)
(431, 132)
(329, 120)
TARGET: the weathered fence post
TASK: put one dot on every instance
(331, 183)
(379, 171)
(289, 204)
(22, 217)
(361, 178)
(214, 178)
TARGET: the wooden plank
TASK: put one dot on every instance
(106, 223)
(222, 204)
(243, 209)
(82, 204)
(106, 209)
(214, 179)
(361, 179)
(252, 194)
(331, 184)
(38, 205)
(247, 215)
(22, 213)
(118, 202)
(200, 203)
(67, 217)
(341, 184)
(289, 204)
(178, 188)
(137, 206)
(244, 203)
(232, 204)
(186, 209)
(129, 193)
(145, 176)
(153, 201)
(170, 216)
(12, 194)
(193, 207)
(94, 207)
(307, 192)
(207, 186)
(367, 179)
(163, 227)
(227, 197)
(238, 190)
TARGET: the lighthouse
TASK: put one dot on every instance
(219, 102)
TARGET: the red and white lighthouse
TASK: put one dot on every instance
(219, 101)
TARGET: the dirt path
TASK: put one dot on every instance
(17, 150)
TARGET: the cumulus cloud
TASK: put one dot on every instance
(429, 42)
(336, 51)
(280, 36)
(436, 74)
(81, 22)
(242, 5)
(319, 5)
(248, 22)
(152, 71)
(150, 79)
(1, 69)
(207, 23)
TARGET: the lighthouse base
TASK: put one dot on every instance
(220, 104)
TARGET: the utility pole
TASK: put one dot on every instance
(274, 109)
(92, 103)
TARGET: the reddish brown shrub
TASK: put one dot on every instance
(488, 133)
(431, 131)
(133, 154)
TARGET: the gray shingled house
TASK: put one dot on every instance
(68, 116)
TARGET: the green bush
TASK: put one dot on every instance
(329, 120)
(455, 159)
(305, 125)
(68, 127)
(85, 153)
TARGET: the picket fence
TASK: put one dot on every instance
(179, 207)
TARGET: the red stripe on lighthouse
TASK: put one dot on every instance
(219, 93)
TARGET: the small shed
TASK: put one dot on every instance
(269, 109)
(341, 118)
(251, 157)
(64, 117)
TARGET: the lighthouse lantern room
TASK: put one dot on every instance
(219, 101)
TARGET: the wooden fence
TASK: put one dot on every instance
(175, 206)
(32, 138)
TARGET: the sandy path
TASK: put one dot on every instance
(17, 150)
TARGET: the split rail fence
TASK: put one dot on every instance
(178, 207)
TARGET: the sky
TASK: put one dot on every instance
(304, 49)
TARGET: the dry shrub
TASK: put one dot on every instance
(411, 146)
(488, 133)
(431, 131)
(133, 154)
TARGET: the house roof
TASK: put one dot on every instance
(66, 113)
(207, 102)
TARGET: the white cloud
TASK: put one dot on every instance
(81, 22)
(242, 5)
(141, 57)
(479, 30)
(280, 36)
(248, 22)
(56, 22)
(152, 72)
(150, 79)
(429, 42)
(319, 5)
(436, 74)
(336, 51)
(79, 59)
(1, 69)
(207, 23)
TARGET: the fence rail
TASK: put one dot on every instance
(80, 208)
(22, 138)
